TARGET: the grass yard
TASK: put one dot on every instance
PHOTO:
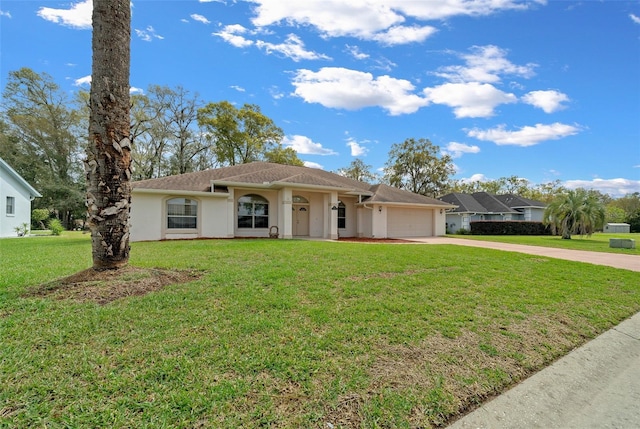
(597, 242)
(290, 334)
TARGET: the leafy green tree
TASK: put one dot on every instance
(238, 135)
(38, 216)
(358, 170)
(42, 139)
(614, 214)
(574, 212)
(283, 155)
(630, 204)
(418, 166)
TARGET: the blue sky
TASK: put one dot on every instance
(543, 90)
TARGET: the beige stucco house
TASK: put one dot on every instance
(259, 199)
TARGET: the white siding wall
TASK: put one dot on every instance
(9, 187)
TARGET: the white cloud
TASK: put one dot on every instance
(342, 88)
(77, 16)
(456, 150)
(357, 149)
(200, 18)
(469, 100)
(293, 48)
(237, 88)
(233, 34)
(478, 177)
(134, 90)
(371, 19)
(276, 93)
(613, 187)
(86, 80)
(356, 53)
(635, 18)
(525, 136)
(313, 165)
(400, 35)
(5, 14)
(148, 34)
(485, 64)
(305, 146)
(549, 101)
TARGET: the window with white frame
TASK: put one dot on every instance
(253, 212)
(182, 213)
(342, 215)
(11, 205)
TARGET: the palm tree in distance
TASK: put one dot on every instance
(574, 212)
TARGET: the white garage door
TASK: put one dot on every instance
(406, 222)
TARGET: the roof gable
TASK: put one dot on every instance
(10, 172)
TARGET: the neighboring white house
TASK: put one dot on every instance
(485, 206)
(623, 228)
(15, 200)
(259, 198)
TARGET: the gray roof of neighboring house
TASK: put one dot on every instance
(32, 191)
(265, 174)
(483, 202)
(516, 201)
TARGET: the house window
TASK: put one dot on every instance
(342, 215)
(182, 213)
(11, 205)
(253, 212)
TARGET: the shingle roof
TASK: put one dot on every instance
(261, 173)
(388, 194)
(483, 202)
(465, 202)
(516, 201)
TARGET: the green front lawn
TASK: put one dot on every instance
(598, 242)
(290, 333)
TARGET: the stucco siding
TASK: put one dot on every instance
(146, 217)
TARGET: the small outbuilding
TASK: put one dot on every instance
(617, 228)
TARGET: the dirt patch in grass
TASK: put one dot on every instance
(106, 286)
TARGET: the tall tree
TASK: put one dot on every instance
(418, 166)
(358, 170)
(108, 159)
(239, 135)
(283, 155)
(43, 140)
(574, 212)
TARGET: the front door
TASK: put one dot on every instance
(300, 220)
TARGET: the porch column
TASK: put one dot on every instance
(285, 222)
(331, 224)
(231, 213)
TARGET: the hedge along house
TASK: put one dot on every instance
(15, 200)
(256, 199)
(481, 206)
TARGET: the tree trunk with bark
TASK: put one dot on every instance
(108, 163)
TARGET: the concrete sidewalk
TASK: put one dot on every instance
(595, 386)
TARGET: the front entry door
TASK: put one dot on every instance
(300, 220)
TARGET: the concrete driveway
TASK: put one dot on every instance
(615, 260)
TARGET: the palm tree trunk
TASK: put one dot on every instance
(109, 150)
